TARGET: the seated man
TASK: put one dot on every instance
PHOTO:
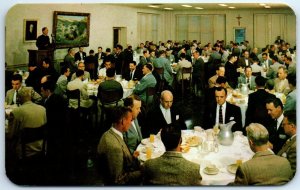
(110, 85)
(289, 148)
(281, 82)
(119, 166)
(220, 72)
(148, 80)
(264, 168)
(85, 101)
(222, 112)
(171, 168)
(86, 75)
(247, 78)
(133, 73)
(162, 114)
(102, 71)
(62, 82)
(182, 63)
(12, 94)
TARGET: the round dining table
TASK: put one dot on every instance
(220, 156)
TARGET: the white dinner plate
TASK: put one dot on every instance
(214, 172)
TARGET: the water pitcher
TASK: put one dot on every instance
(225, 136)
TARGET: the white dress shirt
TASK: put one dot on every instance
(223, 113)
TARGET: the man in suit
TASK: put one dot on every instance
(171, 168)
(28, 115)
(62, 82)
(277, 135)
(148, 80)
(257, 111)
(117, 164)
(281, 83)
(258, 170)
(69, 60)
(12, 94)
(86, 74)
(77, 83)
(119, 59)
(100, 55)
(247, 78)
(222, 112)
(133, 136)
(80, 55)
(162, 114)
(163, 62)
(102, 71)
(266, 62)
(220, 71)
(290, 103)
(48, 69)
(198, 75)
(245, 60)
(272, 72)
(133, 73)
(289, 148)
(43, 41)
(91, 63)
(56, 107)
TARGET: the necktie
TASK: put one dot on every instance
(15, 97)
(275, 126)
(130, 75)
(220, 115)
(248, 82)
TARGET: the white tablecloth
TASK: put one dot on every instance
(225, 156)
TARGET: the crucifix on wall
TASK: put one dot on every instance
(239, 20)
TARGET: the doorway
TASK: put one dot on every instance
(119, 36)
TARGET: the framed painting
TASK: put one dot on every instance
(239, 34)
(30, 30)
(71, 29)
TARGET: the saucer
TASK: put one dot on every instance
(212, 172)
(232, 168)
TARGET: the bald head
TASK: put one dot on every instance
(166, 99)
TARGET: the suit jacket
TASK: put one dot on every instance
(243, 80)
(290, 101)
(285, 88)
(171, 169)
(264, 168)
(272, 72)
(199, 71)
(61, 86)
(163, 62)
(28, 115)
(84, 97)
(276, 136)
(143, 61)
(212, 81)
(35, 97)
(70, 62)
(257, 111)
(119, 166)
(141, 87)
(242, 62)
(232, 113)
(137, 75)
(102, 55)
(289, 151)
(133, 137)
(156, 120)
(78, 58)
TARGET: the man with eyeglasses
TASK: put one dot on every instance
(86, 75)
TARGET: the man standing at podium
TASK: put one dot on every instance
(43, 41)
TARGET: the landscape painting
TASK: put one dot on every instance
(71, 29)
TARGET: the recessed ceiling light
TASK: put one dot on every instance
(267, 7)
(198, 8)
(262, 4)
(231, 7)
(153, 6)
(168, 8)
(223, 5)
(186, 5)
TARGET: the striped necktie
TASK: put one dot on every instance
(220, 115)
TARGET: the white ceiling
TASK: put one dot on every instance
(208, 6)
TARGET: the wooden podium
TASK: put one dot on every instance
(37, 56)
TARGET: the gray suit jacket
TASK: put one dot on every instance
(242, 80)
(264, 168)
(289, 151)
(163, 62)
(141, 87)
(133, 137)
(35, 97)
(120, 167)
(61, 86)
(171, 169)
(285, 88)
(290, 101)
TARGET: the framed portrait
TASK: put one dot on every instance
(30, 30)
(239, 34)
(71, 29)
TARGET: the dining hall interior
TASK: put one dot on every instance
(95, 91)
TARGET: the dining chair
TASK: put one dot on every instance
(186, 76)
(151, 95)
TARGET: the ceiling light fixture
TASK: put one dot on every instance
(267, 7)
(153, 6)
(223, 5)
(187, 6)
(262, 4)
(231, 7)
(168, 8)
(198, 8)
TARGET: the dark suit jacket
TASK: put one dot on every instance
(77, 56)
(257, 111)
(101, 56)
(171, 169)
(242, 62)
(156, 120)
(289, 151)
(137, 75)
(276, 137)
(232, 113)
